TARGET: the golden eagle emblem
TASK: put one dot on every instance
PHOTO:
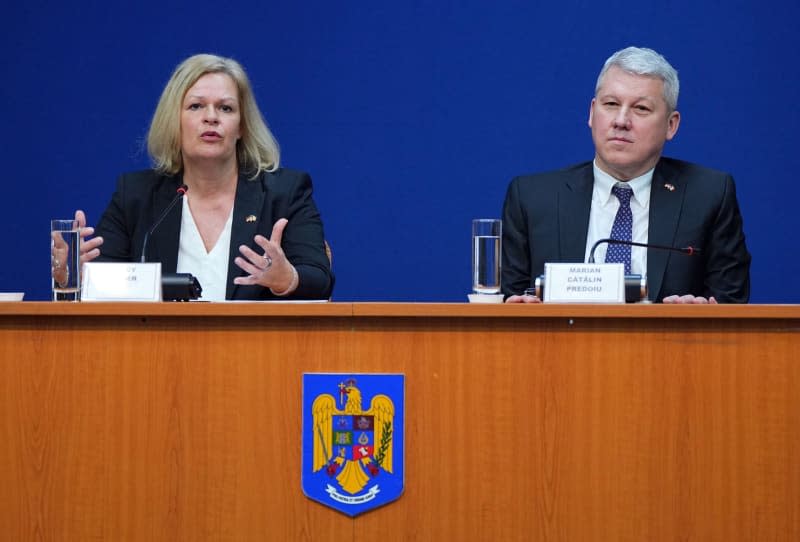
(352, 444)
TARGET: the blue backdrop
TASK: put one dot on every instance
(410, 117)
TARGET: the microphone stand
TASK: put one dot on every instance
(177, 286)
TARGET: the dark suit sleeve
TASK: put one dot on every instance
(304, 241)
(113, 227)
(516, 272)
(727, 275)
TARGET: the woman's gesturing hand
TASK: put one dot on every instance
(270, 269)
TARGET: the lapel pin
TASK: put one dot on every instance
(250, 218)
(670, 187)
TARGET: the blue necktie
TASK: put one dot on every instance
(622, 228)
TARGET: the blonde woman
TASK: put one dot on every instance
(246, 228)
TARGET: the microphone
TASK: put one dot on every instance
(181, 191)
(689, 251)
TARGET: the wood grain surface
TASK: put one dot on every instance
(182, 421)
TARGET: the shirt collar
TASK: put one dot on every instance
(603, 183)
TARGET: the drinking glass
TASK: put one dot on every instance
(65, 260)
(486, 255)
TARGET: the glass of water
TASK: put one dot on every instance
(65, 260)
(486, 255)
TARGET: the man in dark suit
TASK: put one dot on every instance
(558, 216)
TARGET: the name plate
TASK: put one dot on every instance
(584, 283)
(104, 281)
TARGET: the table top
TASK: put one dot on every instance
(396, 310)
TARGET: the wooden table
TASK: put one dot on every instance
(171, 421)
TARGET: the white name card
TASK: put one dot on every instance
(584, 283)
(104, 281)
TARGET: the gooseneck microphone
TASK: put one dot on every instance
(181, 191)
(689, 251)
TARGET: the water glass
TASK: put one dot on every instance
(65, 260)
(486, 255)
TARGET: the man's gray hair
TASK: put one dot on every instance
(643, 61)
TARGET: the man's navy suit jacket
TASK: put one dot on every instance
(546, 219)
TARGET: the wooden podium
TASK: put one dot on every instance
(182, 422)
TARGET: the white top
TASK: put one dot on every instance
(210, 268)
(604, 210)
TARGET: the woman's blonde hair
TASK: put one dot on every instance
(256, 151)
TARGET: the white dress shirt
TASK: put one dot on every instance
(604, 210)
(210, 268)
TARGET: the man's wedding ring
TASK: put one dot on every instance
(268, 261)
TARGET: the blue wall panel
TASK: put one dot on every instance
(411, 118)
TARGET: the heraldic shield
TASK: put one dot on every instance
(353, 455)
